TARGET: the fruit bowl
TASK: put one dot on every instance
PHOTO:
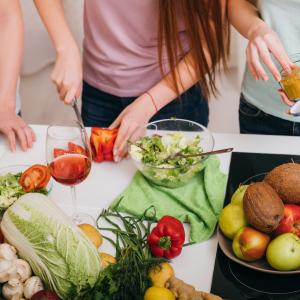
(260, 265)
(165, 174)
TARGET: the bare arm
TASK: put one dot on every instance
(243, 15)
(11, 39)
(11, 35)
(67, 73)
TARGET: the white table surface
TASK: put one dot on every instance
(107, 180)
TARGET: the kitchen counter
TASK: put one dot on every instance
(108, 180)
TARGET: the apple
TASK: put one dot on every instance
(290, 221)
(250, 244)
(232, 219)
(238, 195)
(283, 252)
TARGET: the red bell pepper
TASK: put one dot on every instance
(102, 143)
(167, 238)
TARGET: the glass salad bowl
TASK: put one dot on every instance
(165, 150)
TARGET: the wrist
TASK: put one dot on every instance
(66, 48)
(259, 26)
(148, 102)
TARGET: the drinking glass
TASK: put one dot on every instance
(69, 159)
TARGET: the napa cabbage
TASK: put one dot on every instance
(56, 249)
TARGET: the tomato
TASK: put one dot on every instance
(59, 152)
(35, 177)
(27, 183)
(73, 148)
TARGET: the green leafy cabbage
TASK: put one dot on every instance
(57, 250)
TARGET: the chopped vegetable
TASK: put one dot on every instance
(184, 291)
(35, 177)
(167, 238)
(72, 149)
(102, 143)
(160, 158)
(56, 249)
(77, 149)
(10, 190)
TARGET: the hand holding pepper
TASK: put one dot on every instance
(167, 238)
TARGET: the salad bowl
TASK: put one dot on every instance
(156, 150)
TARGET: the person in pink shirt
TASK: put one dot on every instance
(139, 56)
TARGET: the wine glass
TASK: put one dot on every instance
(69, 159)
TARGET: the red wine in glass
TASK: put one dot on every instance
(70, 169)
(69, 159)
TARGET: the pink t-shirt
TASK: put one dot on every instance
(120, 45)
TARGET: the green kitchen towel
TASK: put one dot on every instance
(199, 202)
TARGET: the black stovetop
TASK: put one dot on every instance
(233, 281)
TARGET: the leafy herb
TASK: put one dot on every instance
(128, 279)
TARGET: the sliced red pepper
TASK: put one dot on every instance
(167, 238)
(102, 143)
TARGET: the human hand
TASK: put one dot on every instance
(134, 116)
(14, 127)
(285, 100)
(263, 42)
(67, 74)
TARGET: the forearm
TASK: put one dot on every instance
(163, 93)
(243, 15)
(11, 39)
(52, 14)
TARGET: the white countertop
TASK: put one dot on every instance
(107, 180)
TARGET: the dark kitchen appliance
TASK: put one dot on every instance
(236, 282)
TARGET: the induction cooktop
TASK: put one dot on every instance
(232, 281)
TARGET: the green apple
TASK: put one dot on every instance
(238, 195)
(283, 252)
(232, 219)
(250, 244)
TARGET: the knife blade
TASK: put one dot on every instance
(77, 112)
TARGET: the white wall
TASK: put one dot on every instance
(40, 102)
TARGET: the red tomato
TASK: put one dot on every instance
(59, 152)
(35, 177)
(73, 148)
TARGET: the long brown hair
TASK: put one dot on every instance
(207, 31)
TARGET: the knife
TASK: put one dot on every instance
(77, 112)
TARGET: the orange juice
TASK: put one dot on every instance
(290, 83)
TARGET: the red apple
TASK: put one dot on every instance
(250, 244)
(290, 221)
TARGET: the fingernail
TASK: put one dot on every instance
(117, 158)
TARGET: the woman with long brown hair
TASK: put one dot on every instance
(139, 56)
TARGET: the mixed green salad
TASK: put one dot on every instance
(162, 161)
(11, 189)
